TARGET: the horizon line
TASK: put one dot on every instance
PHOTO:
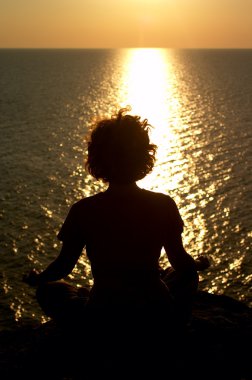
(125, 47)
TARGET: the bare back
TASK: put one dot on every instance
(123, 233)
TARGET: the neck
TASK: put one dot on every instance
(122, 188)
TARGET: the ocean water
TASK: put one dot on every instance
(199, 103)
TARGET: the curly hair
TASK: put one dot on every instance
(119, 149)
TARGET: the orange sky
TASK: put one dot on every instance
(126, 23)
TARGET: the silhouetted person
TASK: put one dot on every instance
(123, 230)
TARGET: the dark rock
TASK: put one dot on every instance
(215, 345)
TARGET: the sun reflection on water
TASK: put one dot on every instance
(150, 87)
(147, 86)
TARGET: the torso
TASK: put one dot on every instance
(124, 233)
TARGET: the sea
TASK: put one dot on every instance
(199, 106)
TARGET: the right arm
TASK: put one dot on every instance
(179, 259)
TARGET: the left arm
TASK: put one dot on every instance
(60, 267)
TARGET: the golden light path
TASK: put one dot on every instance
(150, 87)
(147, 84)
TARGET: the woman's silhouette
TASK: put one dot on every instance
(123, 230)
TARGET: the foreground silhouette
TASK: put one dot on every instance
(123, 230)
(215, 346)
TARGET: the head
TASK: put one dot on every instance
(119, 149)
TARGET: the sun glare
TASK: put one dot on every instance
(148, 86)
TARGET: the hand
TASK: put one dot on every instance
(32, 278)
(202, 263)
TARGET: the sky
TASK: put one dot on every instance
(125, 23)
